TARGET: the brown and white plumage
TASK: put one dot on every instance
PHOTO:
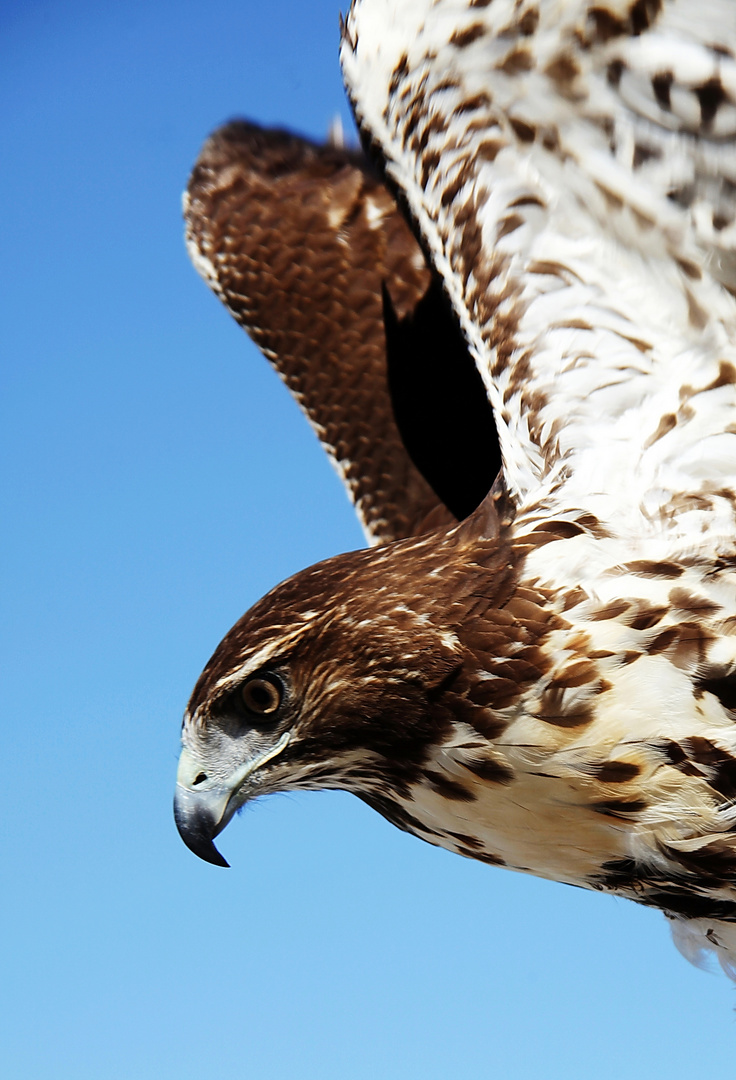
(307, 249)
(551, 684)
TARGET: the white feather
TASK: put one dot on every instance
(630, 327)
(573, 175)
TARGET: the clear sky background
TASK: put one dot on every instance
(156, 480)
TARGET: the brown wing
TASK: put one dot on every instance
(298, 241)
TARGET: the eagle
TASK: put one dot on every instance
(513, 326)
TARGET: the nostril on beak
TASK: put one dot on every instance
(199, 779)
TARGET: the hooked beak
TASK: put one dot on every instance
(203, 807)
(200, 810)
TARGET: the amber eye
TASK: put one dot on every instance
(262, 694)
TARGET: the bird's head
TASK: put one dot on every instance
(333, 680)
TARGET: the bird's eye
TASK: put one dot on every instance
(262, 694)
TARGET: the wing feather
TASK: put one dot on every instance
(297, 240)
(548, 184)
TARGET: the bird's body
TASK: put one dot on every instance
(549, 685)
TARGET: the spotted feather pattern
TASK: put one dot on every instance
(571, 167)
(547, 192)
(549, 685)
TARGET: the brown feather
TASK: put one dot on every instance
(300, 239)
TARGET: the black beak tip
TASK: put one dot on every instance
(206, 850)
(197, 828)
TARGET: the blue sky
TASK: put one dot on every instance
(156, 480)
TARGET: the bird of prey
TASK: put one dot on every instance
(543, 678)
